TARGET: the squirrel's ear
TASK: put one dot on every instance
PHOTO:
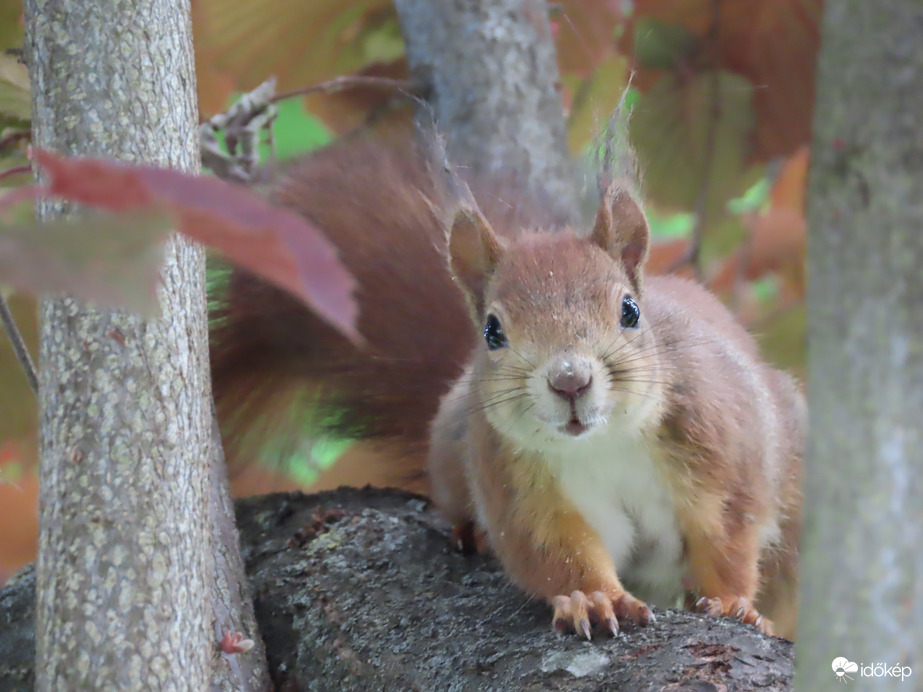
(474, 251)
(621, 230)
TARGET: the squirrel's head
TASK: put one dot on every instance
(566, 346)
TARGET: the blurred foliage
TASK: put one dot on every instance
(722, 94)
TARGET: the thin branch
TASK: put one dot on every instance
(741, 270)
(254, 112)
(16, 170)
(350, 82)
(19, 344)
(693, 256)
(11, 139)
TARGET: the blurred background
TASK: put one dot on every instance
(721, 93)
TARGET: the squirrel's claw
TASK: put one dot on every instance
(468, 539)
(576, 612)
(737, 608)
(627, 607)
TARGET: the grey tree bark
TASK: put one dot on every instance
(491, 76)
(139, 571)
(862, 556)
(359, 590)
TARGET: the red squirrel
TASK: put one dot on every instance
(615, 439)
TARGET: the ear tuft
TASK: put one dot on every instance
(621, 230)
(474, 251)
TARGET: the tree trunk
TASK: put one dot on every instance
(133, 587)
(862, 555)
(490, 72)
(359, 590)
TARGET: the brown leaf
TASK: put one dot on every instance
(599, 96)
(111, 260)
(349, 108)
(665, 255)
(18, 404)
(11, 24)
(270, 241)
(18, 509)
(15, 99)
(585, 34)
(777, 236)
(782, 334)
(774, 44)
(771, 43)
(301, 43)
(670, 130)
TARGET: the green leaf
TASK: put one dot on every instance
(670, 130)
(11, 28)
(15, 99)
(662, 45)
(295, 131)
(108, 259)
(597, 98)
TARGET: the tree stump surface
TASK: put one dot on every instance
(359, 590)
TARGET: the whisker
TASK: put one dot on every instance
(646, 395)
(512, 350)
(499, 402)
(519, 417)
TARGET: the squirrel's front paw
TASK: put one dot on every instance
(468, 539)
(579, 612)
(738, 608)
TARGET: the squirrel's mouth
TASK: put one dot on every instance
(575, 427)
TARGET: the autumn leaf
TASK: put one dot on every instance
(599, 96)
(692, 136)
(304, 44)
(660, 45)
(272, 242)
(18, 405)
(777, 235)
(771, 43)
(300, 43)
(585, 33)
(349, 108)
(111, 260)
(15, 99)
(11, 24)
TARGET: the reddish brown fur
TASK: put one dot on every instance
(727, 439)
(723, 408)
(274, 361)
(377, 207)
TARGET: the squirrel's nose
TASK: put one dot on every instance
(570, 383)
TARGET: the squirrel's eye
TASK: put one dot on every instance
(493, 334)
(631, 313)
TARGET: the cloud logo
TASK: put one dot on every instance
(841, 666)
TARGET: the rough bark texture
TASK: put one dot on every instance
(862, 557)
(125, 568)
(359, 591)
(491, 75)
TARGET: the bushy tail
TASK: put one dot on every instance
(278, 370)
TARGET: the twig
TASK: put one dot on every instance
(19, 344)
(349, 82)
(693, 256)
(11, 139)
(741, 270)
(254, 112)
(16, 170)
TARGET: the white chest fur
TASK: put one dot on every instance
(612, 479)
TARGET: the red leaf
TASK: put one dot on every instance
(114, 261)
(269, 241)
(234, 643)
